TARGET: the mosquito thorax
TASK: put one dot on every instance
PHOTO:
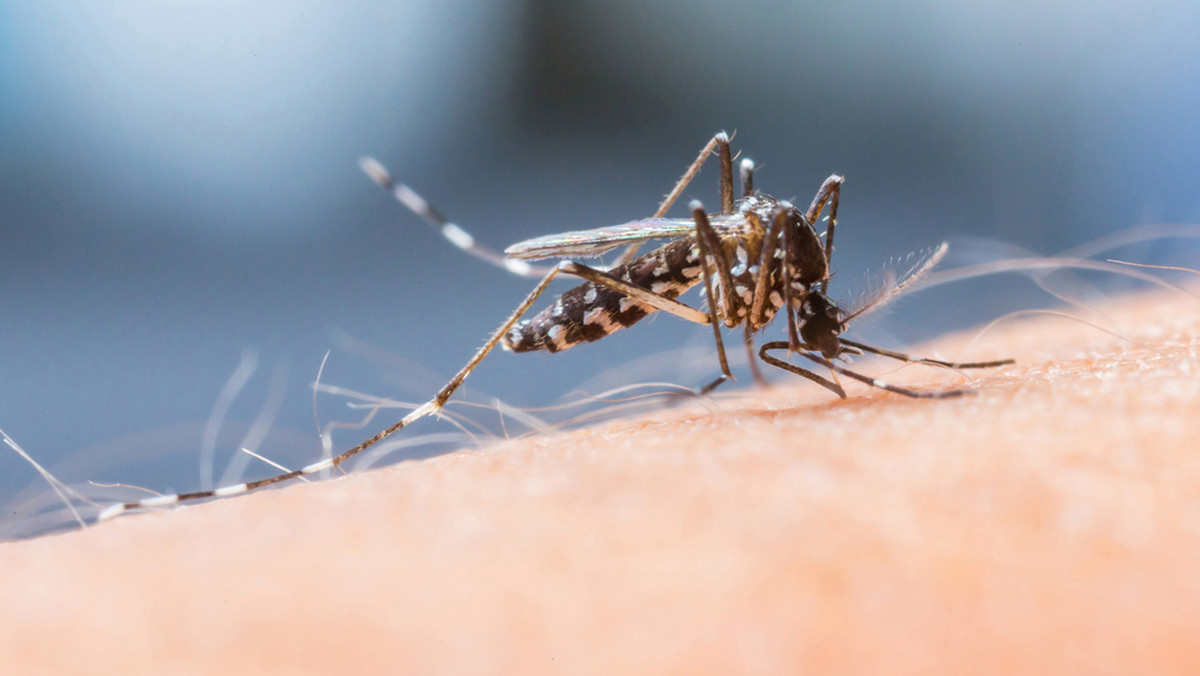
(761, 207)
(808, 256)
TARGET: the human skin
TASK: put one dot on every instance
(1050, 522)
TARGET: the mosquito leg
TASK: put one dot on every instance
(703, 230)
(663, 303)
(829, 191)
(830, 188)
(767, 266)
(746, 169)
(710, 243)
(900, 356)
(719, 140)
(792, 368)
(875, 382)
(755, 371)
(726, 181)
(431, 407)
(789, 245)
(646, 296)
(454, 234)
(720, 143)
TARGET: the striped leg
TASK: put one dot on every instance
(465, 241)
(908, 359)
(830, 191)
(779, 363)
(768, 264)
(709, 245)
(431, 407)
(789, 245)
(454, 234)
(646, 296)
(873, 382)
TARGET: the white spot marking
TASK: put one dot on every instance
(693, 271)
(111, 511)
(627, 303)
(517, 266)
(457, 236)
(159, 501)
(693, 255)
(230, 490)
(428, 408)
(661, 287)
(600, 317)
(557, 336)
(375, 170)
(662, 268)
(317, 466)
(412, 200)
(515, 337)
(590, 296)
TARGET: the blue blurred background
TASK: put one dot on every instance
(179, 183)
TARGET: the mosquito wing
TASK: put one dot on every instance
(595, 242)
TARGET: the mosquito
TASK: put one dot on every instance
(756, 257)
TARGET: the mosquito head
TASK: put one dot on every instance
(822, 321)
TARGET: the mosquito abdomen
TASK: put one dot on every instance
(591, 311)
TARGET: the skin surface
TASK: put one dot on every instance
(1050, 523)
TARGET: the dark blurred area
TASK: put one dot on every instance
(179, 183)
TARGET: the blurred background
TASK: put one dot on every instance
(181, 209)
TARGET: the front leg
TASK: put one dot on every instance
(830, 191)
(792, 368)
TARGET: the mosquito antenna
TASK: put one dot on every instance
(912, 277)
